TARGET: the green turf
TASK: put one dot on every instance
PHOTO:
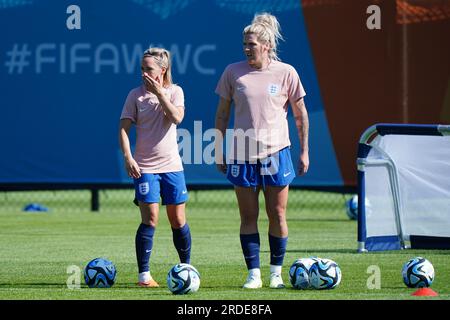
(37, 249)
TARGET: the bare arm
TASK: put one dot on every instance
(222, 119)
(302, 124)
(174, 113)
(130, 164)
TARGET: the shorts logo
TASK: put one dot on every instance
(234, 170)
(144, 188)
(273, 89)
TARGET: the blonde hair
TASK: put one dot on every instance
(267, 29)
(162, 58)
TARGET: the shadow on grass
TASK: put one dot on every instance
(320, 220)
(397, 288)
(317, 250)
(31, 285)
(408, 252)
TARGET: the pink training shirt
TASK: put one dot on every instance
(261, 98)
(156, 136)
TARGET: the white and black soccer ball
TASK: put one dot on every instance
(324, 274)
(100, 273)
(418, 273)
(299, 273)
(183, 278)
(351, 207)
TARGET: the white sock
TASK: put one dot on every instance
(144, 276)
(256, 273)
(275, 269)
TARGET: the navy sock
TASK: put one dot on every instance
(144, 245)
(182, 242)
(250, 247)
(277, 250)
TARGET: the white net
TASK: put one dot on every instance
(380, 214)
(422, 167)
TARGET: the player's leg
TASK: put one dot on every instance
(277, 173)
(245, 180)
(247, 198)
(181, 232)
(276, 199)
(147, 197)
(144, 242)
(174, 195)
(276, 202)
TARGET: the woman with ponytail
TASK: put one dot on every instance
(156, 108)
(261, 88)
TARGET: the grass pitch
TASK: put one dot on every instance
(38, 249)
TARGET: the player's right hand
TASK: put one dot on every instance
(222, 167)
(132, 168)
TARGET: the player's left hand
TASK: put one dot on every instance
(303, 163)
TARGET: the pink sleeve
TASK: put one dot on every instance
(295, 88)
(177, 97)
(129, 108)
(224, 87)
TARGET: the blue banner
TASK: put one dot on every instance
(67, 67)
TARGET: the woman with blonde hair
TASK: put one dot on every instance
(156, 108)
(261, 88)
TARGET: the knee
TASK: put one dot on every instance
(177, 224)
(152, 222)
(278, 215)
(177, 221)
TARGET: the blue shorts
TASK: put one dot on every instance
(275, 170)
(169, 186)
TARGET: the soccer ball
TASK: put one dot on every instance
(418, 273)
(299, 273)
(324, 274)
(183, 278)
(100, 273)
(351, 207)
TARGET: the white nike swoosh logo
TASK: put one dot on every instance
(183, 192)
(147, 251)
(286, 174)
